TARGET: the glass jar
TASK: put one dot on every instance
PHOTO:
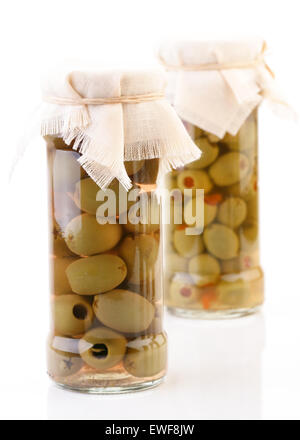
(106, 282)
(217, 274)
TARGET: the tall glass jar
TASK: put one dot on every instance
(106, 283)
(217, 274)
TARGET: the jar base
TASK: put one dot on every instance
(125, 389)
(214, 314)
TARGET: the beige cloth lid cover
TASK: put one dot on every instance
(218, 100)
(108, 134)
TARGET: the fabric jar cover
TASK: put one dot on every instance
(216, 85)
(144, 126)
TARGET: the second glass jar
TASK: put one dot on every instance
(217, 274)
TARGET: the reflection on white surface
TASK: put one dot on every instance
(214, 373)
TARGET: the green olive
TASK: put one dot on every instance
(97, 274)
(140, 253)
(229, 169)
(182, 292)
(204, 269)
(194, 179)
(187, 245)
(210, 211)
(209, 154)
(146, 356)
(124, 311)
(87, 192)
(232, 212)
(85, 236)
(61, 285)
(102, 348)
(72, 315)
(62, 365)
(233, 293)
(221, 241)
(132, 167)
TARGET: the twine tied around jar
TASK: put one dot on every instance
(220, 66)
(114, 117)
(78, 100)
(216, 85)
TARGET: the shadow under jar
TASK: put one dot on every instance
(217, 274)
(106, 283)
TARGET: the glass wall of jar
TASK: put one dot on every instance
(106, 281)
(217, 274)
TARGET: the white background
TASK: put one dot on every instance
(243, 369)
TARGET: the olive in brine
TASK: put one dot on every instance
(62, 365)
(102, 348)
(210, 211)
(182, 292)
(187, 245)
(221, 241)
(229, 169)
(194, 179)
(72, 315)
(140, 253)
(204, 269)
(124, 311)
(146, 356)
(96, 274)
(209, 154)
(232, 212)
(85, 236)
(87, 192)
